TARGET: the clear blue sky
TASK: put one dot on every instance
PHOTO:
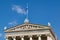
(40, 12)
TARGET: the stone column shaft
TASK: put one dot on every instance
(39, 38)
(6, 39)
(22, 38)
(49, 38)
(30, 38)
(14, 37)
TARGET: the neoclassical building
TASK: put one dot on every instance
(29, 31)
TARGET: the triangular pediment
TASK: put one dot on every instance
(26, 27)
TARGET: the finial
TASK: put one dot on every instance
(49, 24)
(5, 27)
(26, 21)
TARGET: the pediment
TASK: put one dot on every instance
(25, 27)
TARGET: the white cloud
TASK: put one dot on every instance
(18, 9)
(13, 23)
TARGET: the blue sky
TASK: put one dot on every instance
(40, 12)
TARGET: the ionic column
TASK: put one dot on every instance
(14, 38)
(49, 37)
(39, 37)
(22, 37)
(30, 37)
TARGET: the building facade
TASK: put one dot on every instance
(28, 31)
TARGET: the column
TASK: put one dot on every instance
(14, 38)
(49, 37)
(22, 37)
(39, 37)
(6, 38)
(30, 37)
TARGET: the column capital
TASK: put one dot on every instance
(29, 35)
(39, 35)
(22, 36)
(48, 35)
(13, 36)
(6, 37)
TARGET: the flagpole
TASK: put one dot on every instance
(27, 11)
(26, 21)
